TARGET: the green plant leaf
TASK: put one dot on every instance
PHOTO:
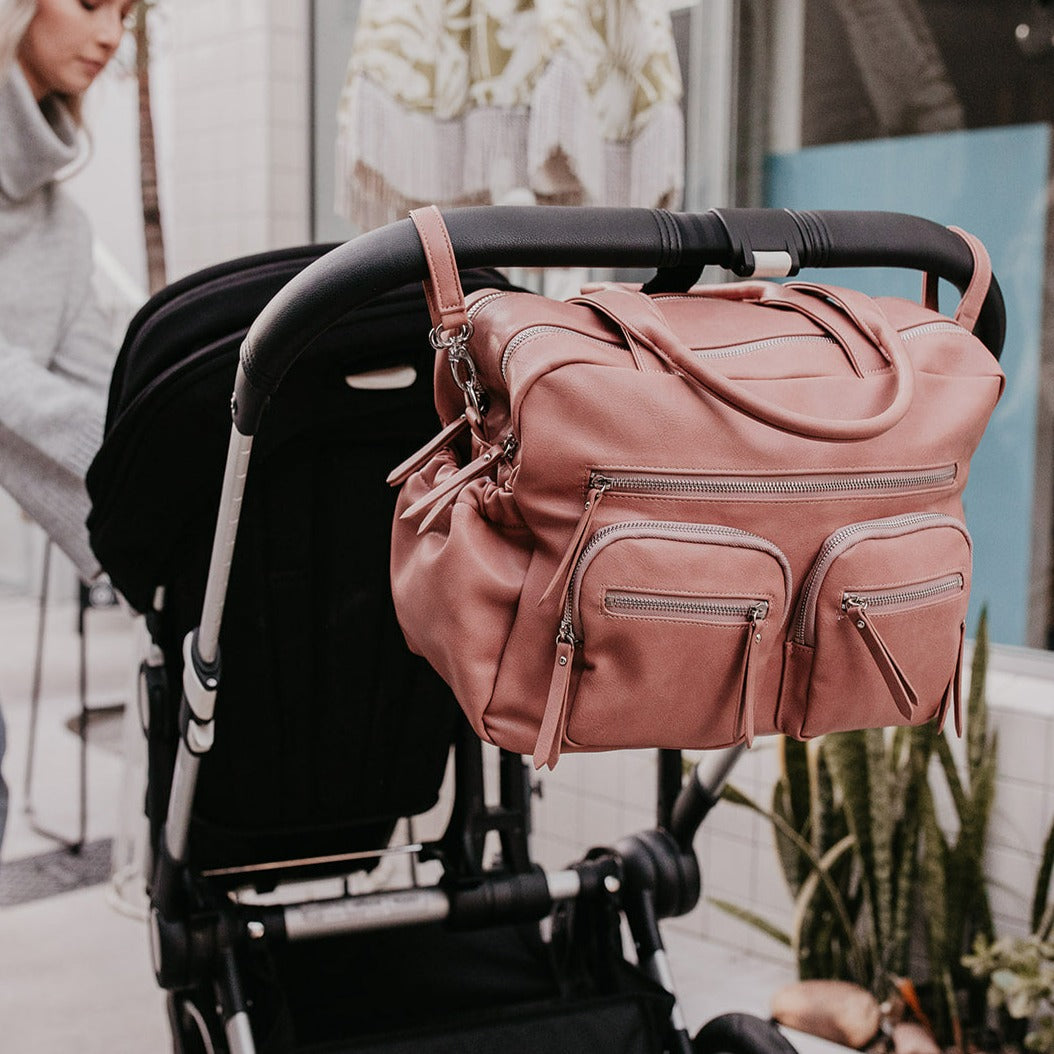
(847, 753)
(882, 809)
(976, 704)
(934, 886)
(791, 863)
(951, 775)
(821, 873)
(1041, 894)
(818, 890)
(759, 922)
(920, 749)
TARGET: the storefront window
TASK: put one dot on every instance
(941, 108)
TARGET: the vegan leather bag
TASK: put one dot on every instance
(682, 520)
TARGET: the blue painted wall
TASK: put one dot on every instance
(993, 183)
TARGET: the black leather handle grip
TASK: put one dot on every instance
(679, 244)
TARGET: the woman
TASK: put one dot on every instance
(55, 355)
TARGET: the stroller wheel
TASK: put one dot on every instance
(741, 1034)
(192, 1032)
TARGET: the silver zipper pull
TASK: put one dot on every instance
(509, 447)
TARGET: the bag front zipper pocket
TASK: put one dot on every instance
(666, 626)
(877, 635)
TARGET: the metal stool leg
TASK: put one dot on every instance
(86, 600)
(73, 845)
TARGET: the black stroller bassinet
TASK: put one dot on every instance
(295, 756)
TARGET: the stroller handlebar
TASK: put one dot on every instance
(679, 244)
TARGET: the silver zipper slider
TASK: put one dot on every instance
(854, 602)
(509, 446)
(758, 613)
(566, 633)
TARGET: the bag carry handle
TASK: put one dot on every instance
(638, 315)
(969, 309)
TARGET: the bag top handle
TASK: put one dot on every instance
(969, 309)
(443, 293)
(637, 314)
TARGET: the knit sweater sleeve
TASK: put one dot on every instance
(51, 423)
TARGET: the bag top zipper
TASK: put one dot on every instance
(673, 483)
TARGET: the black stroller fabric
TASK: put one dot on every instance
(327, 728)
(330, 728)
(500, 990)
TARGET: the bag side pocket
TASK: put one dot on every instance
(456, 586)
(877, 631)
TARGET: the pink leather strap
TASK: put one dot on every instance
(443, 294)
(636, 313)
(969, 308)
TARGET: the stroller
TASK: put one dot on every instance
(329, 730)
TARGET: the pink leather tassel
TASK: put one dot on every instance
(578, 539)
(745, 720)
(449, 488)
(401, 473)
(904, 696)
(554, 721)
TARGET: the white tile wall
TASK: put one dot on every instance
(591, 799)
(239, 165)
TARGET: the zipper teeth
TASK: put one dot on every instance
(907, 596)
(478, 305)
(759, 345)
(838, 484)
(528, 334)
(931, 327)
(834, 542)
(639, 602)
(702, 529)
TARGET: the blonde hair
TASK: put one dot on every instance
(15, 16)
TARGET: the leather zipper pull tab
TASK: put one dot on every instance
(402, 472)
(904, 696)
(554, 720)
(563, 572)
(745, 718)
(450, 487)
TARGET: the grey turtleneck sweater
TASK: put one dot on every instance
(55, 354)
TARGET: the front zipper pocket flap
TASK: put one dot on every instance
(670, 629)
(880, 616)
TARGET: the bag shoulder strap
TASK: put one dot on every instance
(443, 293)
